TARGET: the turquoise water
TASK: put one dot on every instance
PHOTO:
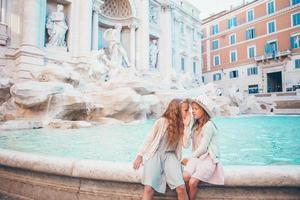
(248, 140)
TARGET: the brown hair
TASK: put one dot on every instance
(199, 123)
(173, 115)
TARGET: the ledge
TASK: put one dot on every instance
(267, 176)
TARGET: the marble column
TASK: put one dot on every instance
(132, 28)
(3, 11)
(30, 23)
(95, 29)
(142, 34)
(165, 41)
(84, 25)
(29, 56)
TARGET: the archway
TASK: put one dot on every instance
(122, 12)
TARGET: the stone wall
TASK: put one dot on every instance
(44, 177)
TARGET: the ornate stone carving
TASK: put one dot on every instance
(117, 9)
(97, 5)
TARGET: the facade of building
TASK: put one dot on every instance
(151, 33)
(255, 47)
(176, 30)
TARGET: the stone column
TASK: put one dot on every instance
(142, 52)
(29, 56)
(165, 41)
(84, 25)
(132, 27)
(3, 11)
(95, 29)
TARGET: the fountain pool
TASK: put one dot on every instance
(247, 140)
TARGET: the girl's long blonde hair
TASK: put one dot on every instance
(173, 115)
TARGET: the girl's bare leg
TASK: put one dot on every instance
(193, 188)
(148, 192)
(186, 178)
(181, 193)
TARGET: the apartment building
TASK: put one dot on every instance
(255, 46)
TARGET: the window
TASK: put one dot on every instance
(232, 39)
(215, 29)
(270, 7)
(234, 74)
(252, 71)
(182, 64)
(215, 44)
(253, 89)
(271, 48)
(233, 56)
(217, 76)
(250, 33)
(194, 67)
(194, 34)
(182, 27)
(294, 2)
(232, 22)
(250, 15)
(251, 52)
(216, 60)
(296, 19)
(271, 27)
(295, 41)
(297, 63)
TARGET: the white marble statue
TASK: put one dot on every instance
(116, 51)
(57, 28)
(99, 65)
(153, 53)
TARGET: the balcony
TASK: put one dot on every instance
(275, 55)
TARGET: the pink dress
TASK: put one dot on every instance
(204, 167)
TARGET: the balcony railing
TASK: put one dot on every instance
(274, 55)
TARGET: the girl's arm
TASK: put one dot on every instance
(208, 133)
(186, 139)
(150, 137)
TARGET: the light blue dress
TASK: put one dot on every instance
(163, 168)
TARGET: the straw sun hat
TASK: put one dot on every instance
(206, 103)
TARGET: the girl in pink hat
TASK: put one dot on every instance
(204, 164)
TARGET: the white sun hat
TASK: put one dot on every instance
(206, 103)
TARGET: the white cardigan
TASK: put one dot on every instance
(208, 142)
(153, 139)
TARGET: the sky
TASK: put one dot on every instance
(208, 7)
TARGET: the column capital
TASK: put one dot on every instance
(97, 5)
(167, 6)
(133, 25)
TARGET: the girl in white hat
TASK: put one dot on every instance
(204, 165)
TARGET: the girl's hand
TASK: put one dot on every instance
(137, 162)
(187, 119)
(184, 161)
